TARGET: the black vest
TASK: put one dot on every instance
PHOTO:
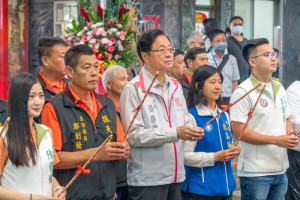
(48, 93)
(3, 114)
(79, 133)
(121, 167)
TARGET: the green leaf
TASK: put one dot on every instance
(108, 11)
(87, 5)
(69, 30)
(74, 25)
(94, 6)
(121, 2)
(96, 17)
(131, 32)
(129, 57)
(80, 3)
(129, 37)
(125, 19)
(92, 17)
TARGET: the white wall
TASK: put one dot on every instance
(258, 18)
(264, 19)
(243, 8)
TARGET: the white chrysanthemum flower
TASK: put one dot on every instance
(79, 34)
(104, 40)
(114, 29)
(90, 32)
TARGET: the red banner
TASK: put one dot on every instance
(200, 16)
(3, 48)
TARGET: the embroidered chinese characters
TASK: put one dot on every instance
(80, 133)
(151, 108)
(49, 154)
(106, 120)
(226, 128)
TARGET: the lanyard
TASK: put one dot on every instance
(215, 60)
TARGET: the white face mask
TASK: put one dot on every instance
(237, 30)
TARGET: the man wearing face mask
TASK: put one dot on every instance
(236, 42)
(209, 25)
(225, 62)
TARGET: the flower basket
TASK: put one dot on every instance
(104, 28)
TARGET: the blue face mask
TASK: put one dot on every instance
(221, 47)
(237, 30)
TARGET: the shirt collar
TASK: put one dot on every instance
(275, 85)
(77, 98)
(186, 76)
(156, 82)
(215, 55)
(116, 104)
(50, 84)
(203, 110)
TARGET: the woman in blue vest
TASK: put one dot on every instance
(207, 161)
(26, 147)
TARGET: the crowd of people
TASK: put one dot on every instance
(53, 123)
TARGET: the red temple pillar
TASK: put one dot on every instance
(3, 49)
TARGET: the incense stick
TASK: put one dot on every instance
(86, 164)
(250, 115)
(230, 105)
(139, 107)
(4, 125)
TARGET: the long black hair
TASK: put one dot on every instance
(19, 138)
(195, 95)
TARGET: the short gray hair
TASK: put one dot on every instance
(110, 74)
(191, 37)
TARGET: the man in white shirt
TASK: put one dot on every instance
(225, 62)
(293, 98)
(263, 161)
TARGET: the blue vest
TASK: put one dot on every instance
(217, 180)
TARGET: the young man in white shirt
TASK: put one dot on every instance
(263, 161)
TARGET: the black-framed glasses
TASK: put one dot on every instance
(238, 24)
(163, 51)
(268, 55)
(202, 44)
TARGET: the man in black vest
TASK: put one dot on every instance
(3, 114)
(81, 120)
